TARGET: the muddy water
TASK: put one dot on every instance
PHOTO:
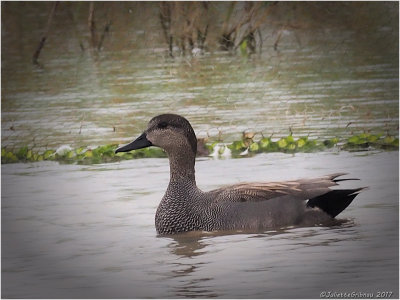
(321, 83)
(88, 231)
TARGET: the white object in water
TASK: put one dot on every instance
(63, 149)
(227, 152)
(221, 150)
(215, 152)
(245, 152)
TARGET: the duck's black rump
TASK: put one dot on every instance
(335, 201)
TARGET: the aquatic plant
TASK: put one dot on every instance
(247, 146)
(366, 140)
(81, 155)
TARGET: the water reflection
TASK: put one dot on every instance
(188, 245)
(196, 252)
(316, 90)
(183, 270)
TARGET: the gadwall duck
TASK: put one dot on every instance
(244, 206)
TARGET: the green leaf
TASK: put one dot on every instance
(29, 154)
(48, 154)
(388, 140)
(353, 140)
(11, 157)
(80, 150)
(282, 143)
(21, 154)
(265, 143)
(396, 142)
(301, 142)
(237, 146)
(89, 153)
(290, 139)
(254, 147)
(363, 135)
(372, 138)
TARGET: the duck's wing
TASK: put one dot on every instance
(302, 189)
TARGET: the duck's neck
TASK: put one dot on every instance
(181, 165)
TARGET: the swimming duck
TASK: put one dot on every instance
(244, 206)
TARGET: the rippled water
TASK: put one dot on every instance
(323, 83)
(88, 231)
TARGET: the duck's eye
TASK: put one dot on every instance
(162, 125)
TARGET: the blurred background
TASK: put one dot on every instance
(93, 73)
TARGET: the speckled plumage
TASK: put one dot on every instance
(244, 206)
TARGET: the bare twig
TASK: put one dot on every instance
(105, 31)
(92, 25)
(73, 20)
(165, 19)
(46, 33)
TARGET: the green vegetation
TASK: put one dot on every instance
(288, 144)
(365, 140)
(245, 147)
(82, 155)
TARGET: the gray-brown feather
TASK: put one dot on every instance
(262, 191)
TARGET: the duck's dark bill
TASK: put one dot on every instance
(139, 143)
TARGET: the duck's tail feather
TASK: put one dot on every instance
(335, 201)
(345, 179)
(334, 178)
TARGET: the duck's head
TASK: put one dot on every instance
(168, 131)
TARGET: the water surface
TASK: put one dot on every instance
(88, 231)
(327, 81)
